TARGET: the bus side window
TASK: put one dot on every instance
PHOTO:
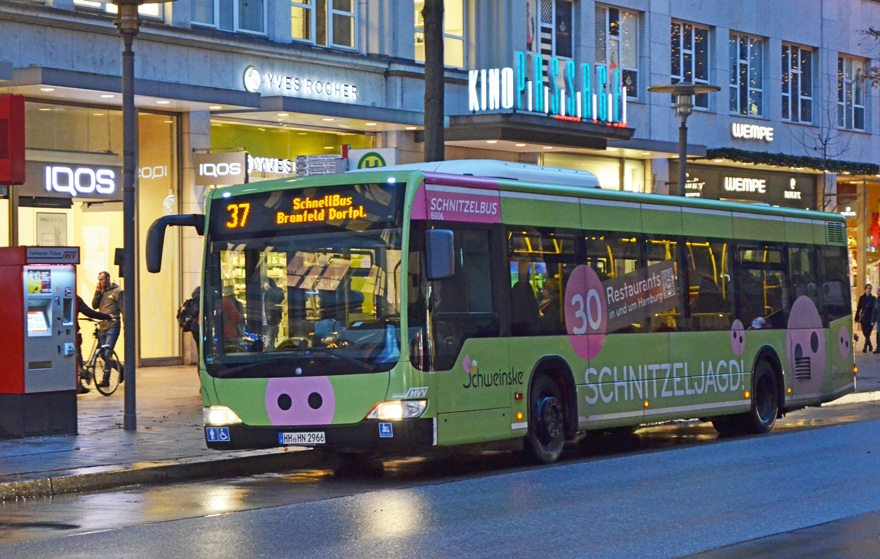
(709, 284)
(835, 288)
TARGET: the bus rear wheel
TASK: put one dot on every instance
(546, 435)
(765, 406)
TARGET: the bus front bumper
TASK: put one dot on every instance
(368, 435)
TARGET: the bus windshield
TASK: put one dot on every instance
(310, 297)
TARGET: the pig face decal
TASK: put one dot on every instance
(844, 341)
(737, 337)
(805, 345)
(300, 401)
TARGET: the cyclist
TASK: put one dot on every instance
(83, 308)
(108, 299)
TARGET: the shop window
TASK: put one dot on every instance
(746, 56)
(453, 32)
(329, 23)
(231, 15)
(850, 93)
(617, 45)
(152, 11)
(797, 84)
(690, 57)
(549, 28)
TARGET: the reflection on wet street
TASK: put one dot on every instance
(51, 517)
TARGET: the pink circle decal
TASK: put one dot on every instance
(805, 345)
(586, 312)
(737, 337)
(844, 340)
(300, 401)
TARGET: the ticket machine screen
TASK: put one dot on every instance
(39, 317)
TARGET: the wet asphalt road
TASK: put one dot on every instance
(669, 491)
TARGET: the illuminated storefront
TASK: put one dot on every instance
(73, 197)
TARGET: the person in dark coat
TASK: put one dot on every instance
(865, 316)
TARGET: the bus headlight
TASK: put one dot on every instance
(219, 415)
(398, 409)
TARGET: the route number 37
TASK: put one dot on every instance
(238, 214)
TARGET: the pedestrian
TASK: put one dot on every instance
(865, 316)
(271, 297)
(83, 308)
(875, 319)
(188, 315)
(109, 299)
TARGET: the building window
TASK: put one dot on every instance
(690, 57)
(453, 32)
(329, 23)
(797, 84)
(746, 75)
(850, 93)
(231, 15)
(617, 44)
(549, 28)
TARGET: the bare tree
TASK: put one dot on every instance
(435, 81)
(826, 143)
(873, 74)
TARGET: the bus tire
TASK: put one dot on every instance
(765, 406)
(546, 434)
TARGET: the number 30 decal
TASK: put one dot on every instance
(586, 312)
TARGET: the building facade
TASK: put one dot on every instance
(555, 82)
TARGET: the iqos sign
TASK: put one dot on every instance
(80, 180)
(221, 169)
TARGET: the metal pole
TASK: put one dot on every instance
(682, 155)
(128, 28)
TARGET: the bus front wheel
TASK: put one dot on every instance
(546, 434)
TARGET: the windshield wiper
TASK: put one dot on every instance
(229, 371)
(291, 358)
(329, 351)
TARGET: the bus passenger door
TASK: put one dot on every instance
(470, 359)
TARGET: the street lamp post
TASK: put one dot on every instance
(128, 24)
(684, 104)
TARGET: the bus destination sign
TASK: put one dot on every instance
(350, 207)
(328, 208)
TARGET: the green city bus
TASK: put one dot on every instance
(423, 307)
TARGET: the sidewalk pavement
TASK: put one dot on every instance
(169, 443)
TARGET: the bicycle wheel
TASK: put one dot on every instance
(112, 380)
(86, 375)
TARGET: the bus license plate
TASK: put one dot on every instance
(314, 437)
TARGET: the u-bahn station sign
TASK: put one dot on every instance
(541, 100)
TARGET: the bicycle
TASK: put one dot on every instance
(96, 362)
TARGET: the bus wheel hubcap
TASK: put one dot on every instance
(550, 419)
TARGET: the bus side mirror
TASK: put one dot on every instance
(440, 254)
(156, 236)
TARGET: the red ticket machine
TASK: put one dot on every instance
(38, 341)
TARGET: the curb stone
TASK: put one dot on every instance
(71, 481)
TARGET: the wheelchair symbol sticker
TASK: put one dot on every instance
(385, 430)
(217, 434)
